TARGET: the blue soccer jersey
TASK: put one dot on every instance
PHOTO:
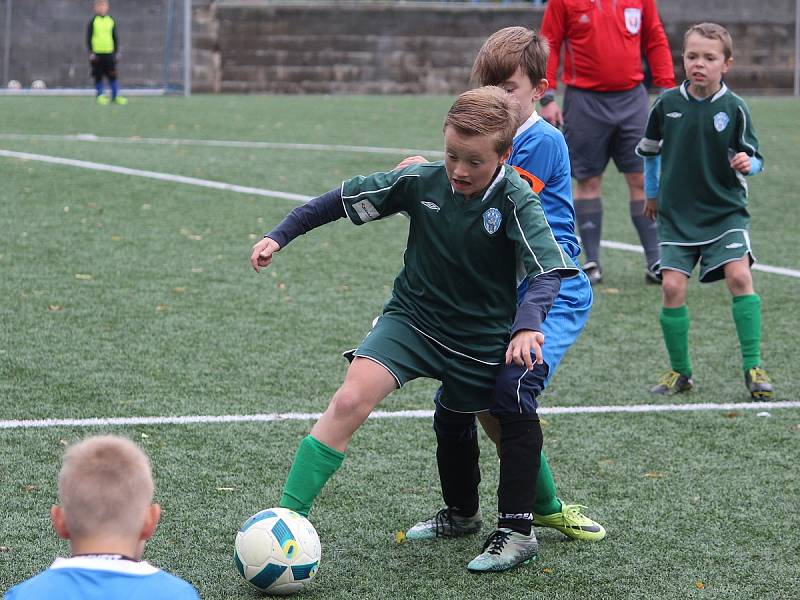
(102, 578)
(540, 156)
(539, 150)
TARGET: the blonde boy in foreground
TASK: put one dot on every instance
(700, 137)
(105, 510)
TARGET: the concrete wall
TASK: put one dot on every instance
(330, 46)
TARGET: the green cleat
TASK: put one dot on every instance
(504, 550)
(103, 100)
(445, 524)
(671, 383)
(573, 523)
(758, 384)
(121, 100)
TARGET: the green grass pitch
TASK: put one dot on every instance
(125, 296)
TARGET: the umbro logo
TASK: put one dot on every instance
(674, 115)
(430, 205)
(734, 245)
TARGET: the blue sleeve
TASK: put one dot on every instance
(536, 303)
(756, 166)
(652, 175)
(308, 216)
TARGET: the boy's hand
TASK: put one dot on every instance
(741, 162)
(522, 344)
(262, 253)
(410, 160)
(552, 114)
(92, 57)
(651, 209)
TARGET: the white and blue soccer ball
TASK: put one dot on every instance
(277, 551)
(14, 85)
(38, 84)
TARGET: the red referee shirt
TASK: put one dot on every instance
(604, 40)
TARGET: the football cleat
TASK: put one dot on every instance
(572, 522)
(503, 550)
(758, 384)
(593, 272)
(671, 383)
(653, 274)
(445, 524)
(121, 100)
(103, 100)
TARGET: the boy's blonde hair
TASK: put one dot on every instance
(486, 111)
(104, 487)
(712, 31)
(507, 49)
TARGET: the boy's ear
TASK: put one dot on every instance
(506, 155)
(151, 517)
(59, 524)
(539, 89)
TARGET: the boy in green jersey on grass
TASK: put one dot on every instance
(475, 230)
(700, 136)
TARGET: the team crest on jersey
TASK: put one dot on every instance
(633, 20)
(491, 220)
(430, 205)
(721, 121)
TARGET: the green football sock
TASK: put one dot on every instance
(313, 465)
(675, 326)
(747, 316)
(546, 501)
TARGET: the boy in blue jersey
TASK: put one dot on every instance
(515, 59)
(475, 229)
(699, 146)
(105, 510)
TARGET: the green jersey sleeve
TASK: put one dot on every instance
(537, 251)
(650, 144)
(372, 197)
(746, 140)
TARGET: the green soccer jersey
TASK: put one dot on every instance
(700, 196)
(464, 258)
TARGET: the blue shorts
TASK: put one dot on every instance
(516, 388)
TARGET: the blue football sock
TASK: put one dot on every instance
(98, 86)
(114, 88)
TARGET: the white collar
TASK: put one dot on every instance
(100, 563)
(528, 124)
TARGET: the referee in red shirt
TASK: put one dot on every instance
(605, 105)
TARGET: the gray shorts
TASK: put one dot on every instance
(599, 126)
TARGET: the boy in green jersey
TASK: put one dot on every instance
(701, 138)
(476, 229)
(103, 44)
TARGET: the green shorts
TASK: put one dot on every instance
(713, 255)
(408, 353)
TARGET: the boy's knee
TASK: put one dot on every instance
(673, 290)
(454, 426)
(516, 390)
(350, 400)
(740, 282)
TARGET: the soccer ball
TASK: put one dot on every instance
(277, 551)
(14, 85)
(39, 85)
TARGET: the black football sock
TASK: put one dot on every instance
(457, 455)
(520, 449)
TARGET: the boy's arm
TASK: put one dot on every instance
(89, 32)
(526, 334)
(652, 180)
(115, 38)
(747, 160)
(314, 213)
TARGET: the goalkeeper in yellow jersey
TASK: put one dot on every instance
(103, 44)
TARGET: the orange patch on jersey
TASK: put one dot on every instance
(537, 185)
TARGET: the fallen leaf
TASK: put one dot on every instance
(653, 474)
(66, 209)
(281, 286)
(700, 585)
(63, 442)
(116, 238)
(161, 307)
(399, 537)
(225, 489)
(91, 205)
(764, 414)
(83, 276)
(611, 290)
(55, 307)
(195, 237)
(732, 415)
(146, 206)
(178, 290)
(145, 436)
(30, 488)
(547, 570)
(253, 236)
(197, 269)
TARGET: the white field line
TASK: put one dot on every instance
(90, 137)
(229, 187)
(400, 414)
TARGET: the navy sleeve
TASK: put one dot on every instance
(115, 38)
(89, 32)
(536, 303)
(308, 216)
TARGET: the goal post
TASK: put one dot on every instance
(44, 49)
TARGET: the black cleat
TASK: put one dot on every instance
(758, 384)
(593, 272)
(671, 383)
(653, 275)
